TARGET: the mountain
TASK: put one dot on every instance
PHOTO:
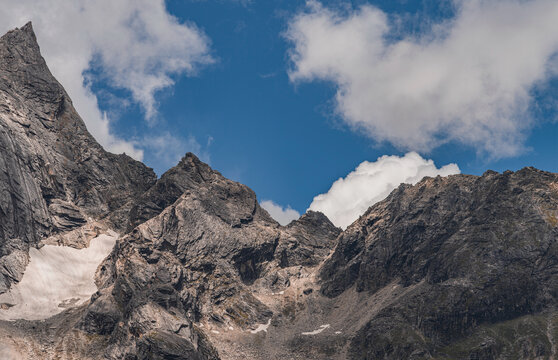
(469, 265)
(54, 176)
(460, 267)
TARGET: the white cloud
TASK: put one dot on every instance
(282, 215)
(136, 44)
(370, 182)
(466, 80)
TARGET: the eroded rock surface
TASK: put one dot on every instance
(477, 252)
(200, 261)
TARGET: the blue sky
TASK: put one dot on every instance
(285, 137)
(282, 139)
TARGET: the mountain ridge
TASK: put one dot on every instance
(53, 174)
(457, 267)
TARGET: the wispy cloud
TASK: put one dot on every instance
(167, 149)
(467, 79)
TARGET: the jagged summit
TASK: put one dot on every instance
(26, 35)
(312, 216)
(25, 70)
(465, 251)
(190, 158)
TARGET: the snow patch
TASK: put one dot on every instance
(317, 331)
(8, 353)
(261, 327)
(57, 277)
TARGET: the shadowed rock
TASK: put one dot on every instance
(53, 174)
(199, 258)
(477, 251)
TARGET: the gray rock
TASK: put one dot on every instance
(188, 174)
(53, 174)
(309, 240)
(201, 257)
(196, 241)
(476, 251)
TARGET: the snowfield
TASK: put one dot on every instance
(57, 277)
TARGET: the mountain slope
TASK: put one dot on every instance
(454, 267)
(199, 261)
(476, 251)
(53, 175)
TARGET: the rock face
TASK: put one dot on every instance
(198, 260)
(308, 240)
(477, 252)
(53, 174)
(462, 267)
(189, 173)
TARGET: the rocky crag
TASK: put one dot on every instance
(462, 267)
(54, 177)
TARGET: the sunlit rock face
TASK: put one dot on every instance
(204, 262)
(56, 278)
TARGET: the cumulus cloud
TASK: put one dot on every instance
(135, 45)
(370, 182)
(282, 215)
(467, 79)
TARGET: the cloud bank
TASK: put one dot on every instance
(135, 45)
(467, 80)
(282, 215)
(370, 182)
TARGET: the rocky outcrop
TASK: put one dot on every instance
(190, 173)
(308, 240)
(54, 176)
(477, 252)
(197, 243)
(198, 260)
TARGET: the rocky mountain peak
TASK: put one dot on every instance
(196, 178)
(315, 219)
(54, 176)
(20, 39)
(25, 70)
(191, 165)
(460, 245)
